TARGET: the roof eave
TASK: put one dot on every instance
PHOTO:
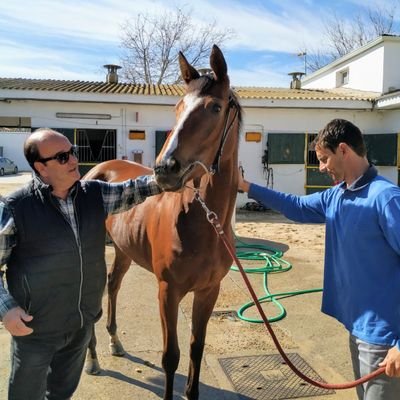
(50, 96)
(386, 102)
(308, 104)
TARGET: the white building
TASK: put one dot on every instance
(115, 120)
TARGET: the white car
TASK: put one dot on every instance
(7, 166)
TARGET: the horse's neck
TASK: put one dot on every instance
(220, 194)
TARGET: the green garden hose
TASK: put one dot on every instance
(273, 263)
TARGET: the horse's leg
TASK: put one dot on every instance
(169, 303)
(92, 366)
(203, 304)
(118, 270)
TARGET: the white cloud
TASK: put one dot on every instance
(75, 38)
(258, 77)
(258, 28)
(96, 20)
(23, 61)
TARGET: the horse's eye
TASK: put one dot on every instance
(216, 108)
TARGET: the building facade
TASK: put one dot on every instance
(117, 120)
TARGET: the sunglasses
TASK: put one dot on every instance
(63, 157)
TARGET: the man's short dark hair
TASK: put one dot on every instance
(341, 131)
(31, 152)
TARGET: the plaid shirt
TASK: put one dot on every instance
(117, 197)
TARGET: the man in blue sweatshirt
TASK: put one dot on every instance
(362, 251)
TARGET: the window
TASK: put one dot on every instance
(15, 124)
(342, 77)
(286, 148)
(161, 137)
(382, 148)
(311, 154)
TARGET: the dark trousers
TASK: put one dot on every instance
(47, 368)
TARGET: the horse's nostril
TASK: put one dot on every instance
(158, 169)
(173, 165)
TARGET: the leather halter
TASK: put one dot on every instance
(215, 165)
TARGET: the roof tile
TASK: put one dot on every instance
(267, 93)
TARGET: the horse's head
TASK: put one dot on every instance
(204, 117)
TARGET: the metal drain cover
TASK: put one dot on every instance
(268, 377)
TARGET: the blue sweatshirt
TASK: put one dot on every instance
(362, 251)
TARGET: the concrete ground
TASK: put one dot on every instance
(319, 340)
(139, 375)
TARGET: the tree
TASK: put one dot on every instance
(343, 36)
(151, 45)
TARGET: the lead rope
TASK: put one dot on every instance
(213, 219)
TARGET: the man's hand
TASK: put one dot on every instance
(14, 320)
(243, 185)
(392, 362)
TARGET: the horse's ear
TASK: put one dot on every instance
(187, 71)
(218, 63)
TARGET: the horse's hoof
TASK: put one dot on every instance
(92, 367)
(117, 349)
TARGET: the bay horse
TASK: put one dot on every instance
(169, 234)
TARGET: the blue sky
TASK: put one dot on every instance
(72, 40)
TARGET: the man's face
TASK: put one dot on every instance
(58, 175)
(331, 163)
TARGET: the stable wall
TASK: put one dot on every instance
(365, 73)
(123, 119)
(374, 69)
(289, 178)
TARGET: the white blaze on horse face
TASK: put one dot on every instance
(191, 101)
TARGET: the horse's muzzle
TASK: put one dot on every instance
(169, 174)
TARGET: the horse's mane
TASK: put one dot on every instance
(238, 107)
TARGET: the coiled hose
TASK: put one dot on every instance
(273, 263)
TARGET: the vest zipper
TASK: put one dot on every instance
(27, 292)
(78, 241)
(78, 244)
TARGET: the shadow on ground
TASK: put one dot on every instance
(155, 383)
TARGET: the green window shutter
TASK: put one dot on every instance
(286, 148)
(317, 178)
(382, 148)
(161, 137)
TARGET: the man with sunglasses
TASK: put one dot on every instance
(52, 240)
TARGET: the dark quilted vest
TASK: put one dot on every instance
(53, 276)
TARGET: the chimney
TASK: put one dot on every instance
(112, 75)
(296, 80)
(205, 71)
